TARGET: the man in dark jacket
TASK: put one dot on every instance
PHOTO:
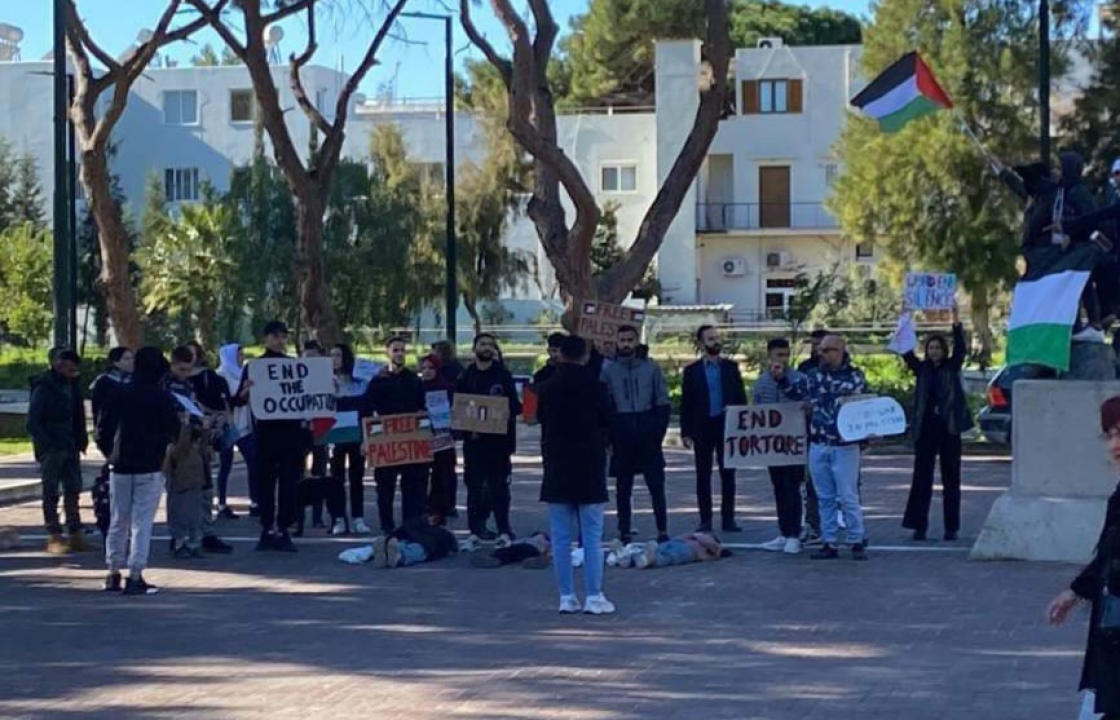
(639, 420)
(554, 341)
(574, 416)
(397, 390)
(486, 458)
(56, 421)
(121, 361)
(709, 385)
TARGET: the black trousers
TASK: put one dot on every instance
(62, 469)
(812, 508)
(486, 473)
(348, 462)
(320, 457)
(935, 441)
(710, 440)
(787, 481)
(624, 489)
(413, 479)
(441, 485)
(279, 467)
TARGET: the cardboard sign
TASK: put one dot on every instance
(291, 388)
(878, 417)
(404, 439)
(485, 414)
(929, 291)
(439, 412)
(529, 402)
(760, 436)
(599, 322)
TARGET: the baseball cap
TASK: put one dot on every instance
(273, 327)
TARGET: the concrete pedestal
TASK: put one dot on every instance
(1061, 475)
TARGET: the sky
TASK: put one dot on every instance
(411, 61)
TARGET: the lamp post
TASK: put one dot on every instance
(1044, 81)
(452, 300)
(61, 219)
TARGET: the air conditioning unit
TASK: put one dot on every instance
(778, 259)
(734, 267)
(770, 42)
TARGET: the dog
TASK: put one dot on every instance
(316, 491)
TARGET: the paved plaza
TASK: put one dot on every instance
(918, 633)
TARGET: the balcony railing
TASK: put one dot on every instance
(722, 217)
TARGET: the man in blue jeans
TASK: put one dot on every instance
(834, 463)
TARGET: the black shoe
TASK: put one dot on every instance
(113, 582)
(859, 551)
(487, 534)
(214, 544)
(951, 536)
(137, 586)
(196, 553)
(625, 538)
(454, 514)
(920, 536)
(827, 552)
(704, 528)
(254, 511)
(227, 514)
(662, 537)
(731, 527)
(283, 543)
(267, 542)
(181, 553)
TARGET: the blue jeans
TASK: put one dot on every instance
(590, 517)
(835, 470)
(674, 552)
(411, 553)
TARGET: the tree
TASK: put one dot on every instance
(21, 195)
(208, 57)
(93, 121)
(925, 193)
(26, 262)
(606, 252)
(1092, 124)
(309, 182)
(89, 256)
(531, 119)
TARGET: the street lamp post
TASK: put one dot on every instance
(1044, 81)
(60, 223)
(452, 300)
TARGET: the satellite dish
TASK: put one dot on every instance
(10, 33)
(273, 35)
(144, 36)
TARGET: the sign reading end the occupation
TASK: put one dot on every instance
(291, 388)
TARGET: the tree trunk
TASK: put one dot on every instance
(472, 310)
(112, 235)
(982, 325)
(318, 317)
(207, 317)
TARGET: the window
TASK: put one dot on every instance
(865, 250)
(242, 106)
(779, 296)
(180, 184)
(776, 305)
(831, 172)
(772, 96)
(180, 107)
(618, 178)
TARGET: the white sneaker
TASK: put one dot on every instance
(503, 541)
(360, 527)
(1088, 334)
(569, 604)
(339, 527)
(793, 546)
(380, 558)
(598, 605)
(577, 557)
(470, 544)
(776, 545)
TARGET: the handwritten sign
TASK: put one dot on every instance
(599, 322)
(484, 414)
(759, 436)
(404, 439)
(439, 412)
(291, 388)
(366, 370)
(878, 417)
(929, 291)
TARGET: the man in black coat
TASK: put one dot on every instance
(710, 385)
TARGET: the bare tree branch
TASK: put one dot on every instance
(82, 38)
(298, 90)
(501, 64)
(364, 66)
(213, 17)
(287, 10)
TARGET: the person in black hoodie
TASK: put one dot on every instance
(555, 340)
(138, 423)
(398, 390)
(100, 390)
(486, 458)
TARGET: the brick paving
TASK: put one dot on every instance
(910, 635)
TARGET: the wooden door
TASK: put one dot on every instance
(773, 197)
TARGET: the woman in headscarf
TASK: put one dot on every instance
(438, 392)
(232, 361)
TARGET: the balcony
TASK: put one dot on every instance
(725, 217)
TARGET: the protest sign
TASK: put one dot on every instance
(905, 337)
(929, 291)
(439, 412)
(599, 322)
(291, 388)
(485, 414)
(873, 417)
(366, 370)
(759, 436)
(404, 439)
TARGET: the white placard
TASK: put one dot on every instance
(929, 291)
(366, 370)
(905, 337)
(874, 417)
(188, 404)
(759, 436)
(291, 388)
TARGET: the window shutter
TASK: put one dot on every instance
(794, 101)
(750, 97)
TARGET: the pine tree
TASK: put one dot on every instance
(27, 194)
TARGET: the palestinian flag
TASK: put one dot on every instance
(905, 91)
(1044, 306)
(346, 428)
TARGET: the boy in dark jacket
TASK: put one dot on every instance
(186, 476)
(56, 422)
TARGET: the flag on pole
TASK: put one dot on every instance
(903, 92)
(1045, 303)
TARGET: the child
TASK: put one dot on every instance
(184, 468)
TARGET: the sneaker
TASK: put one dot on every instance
(393, 553)
(283, 543)
(503, 541)
(214, 544)
(113, 582)
(826, 552)
(226, 513)
(181, 553)
(1089, 334)
(267, 542)
(810, 538)
(614, 552)
(77, 542)
(569, 605)
(137, 586)
(471, 544)
(859, 551)
(598, 605)
(360, 527)
(56, 545)
(339, 527)
(793, 546)
(380, 557)
(778, 544)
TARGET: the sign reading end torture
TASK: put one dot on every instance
(404, 439)
(759, 436)
(291, 388)
(484, 414)
(874, 417)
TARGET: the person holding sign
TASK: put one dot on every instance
(941, 414)
(486, 458)
(639, 420)
(348, 461)
(395, 391)
(709, 386)
(833, 462)
(438, 392)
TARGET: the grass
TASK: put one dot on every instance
(14, 446)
